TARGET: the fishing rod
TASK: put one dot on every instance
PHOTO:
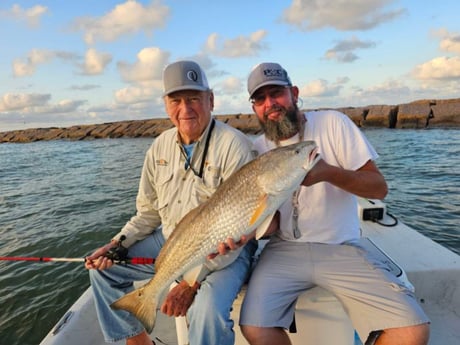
(135, 260)
(118, 255)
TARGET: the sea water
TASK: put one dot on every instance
(66, 198)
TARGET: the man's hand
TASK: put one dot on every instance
(317, 174)
(225, 247)
(179, 299)
(98, 260)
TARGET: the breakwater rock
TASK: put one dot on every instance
(418, 114)
(129, 129)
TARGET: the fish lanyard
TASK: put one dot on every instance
(205, 152)
(295, 195)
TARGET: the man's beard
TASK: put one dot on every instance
(283, 129)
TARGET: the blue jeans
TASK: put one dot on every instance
(208, 316)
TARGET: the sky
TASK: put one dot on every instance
(65, 63)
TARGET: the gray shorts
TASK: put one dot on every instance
(374, 298)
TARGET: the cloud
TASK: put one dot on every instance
(382, 93)
(95, 62)
(64, 106)
(344, 57)
(35, 57)
(388, 89)
(320, 88)
(203, 60)
(31, 15)
(442, 68)
(130, 103)
(231, 85)
(240, 46)
(33, 103)
(20, 101)
(65, 113)
(127, 18)
(22, 69)
(85, 87)
(450, 42)
(324, 94)
(342, 80)
(133, 95)
(449, 89)
(231, 97)
(147, 70)
(309, 15)
(438, 68)
(27, 67)
(343, 51)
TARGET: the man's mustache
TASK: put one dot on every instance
(273, 109)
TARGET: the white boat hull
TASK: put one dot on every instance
(432, 269)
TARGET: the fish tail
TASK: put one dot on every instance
(140, 305)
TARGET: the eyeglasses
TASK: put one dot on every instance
(274, 93)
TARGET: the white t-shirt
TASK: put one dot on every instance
(327, 214)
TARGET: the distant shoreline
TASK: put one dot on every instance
(414, 115)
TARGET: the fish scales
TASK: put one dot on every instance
(237, 208)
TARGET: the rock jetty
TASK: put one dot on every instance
(123, 129)
(418, 114)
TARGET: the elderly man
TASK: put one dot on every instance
(183, 167)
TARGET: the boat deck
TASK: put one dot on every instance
(432, 269)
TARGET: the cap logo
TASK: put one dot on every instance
(273, 72)
(192, 75)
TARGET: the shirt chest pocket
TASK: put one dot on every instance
(164, 188)
(206, 186)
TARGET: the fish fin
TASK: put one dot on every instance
(195, 274)
(262, 228)
(138, 304)
(259, 210)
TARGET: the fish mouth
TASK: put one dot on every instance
(313, 155)
(313, 158)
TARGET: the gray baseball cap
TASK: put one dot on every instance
(267, 73)
(184, 75)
